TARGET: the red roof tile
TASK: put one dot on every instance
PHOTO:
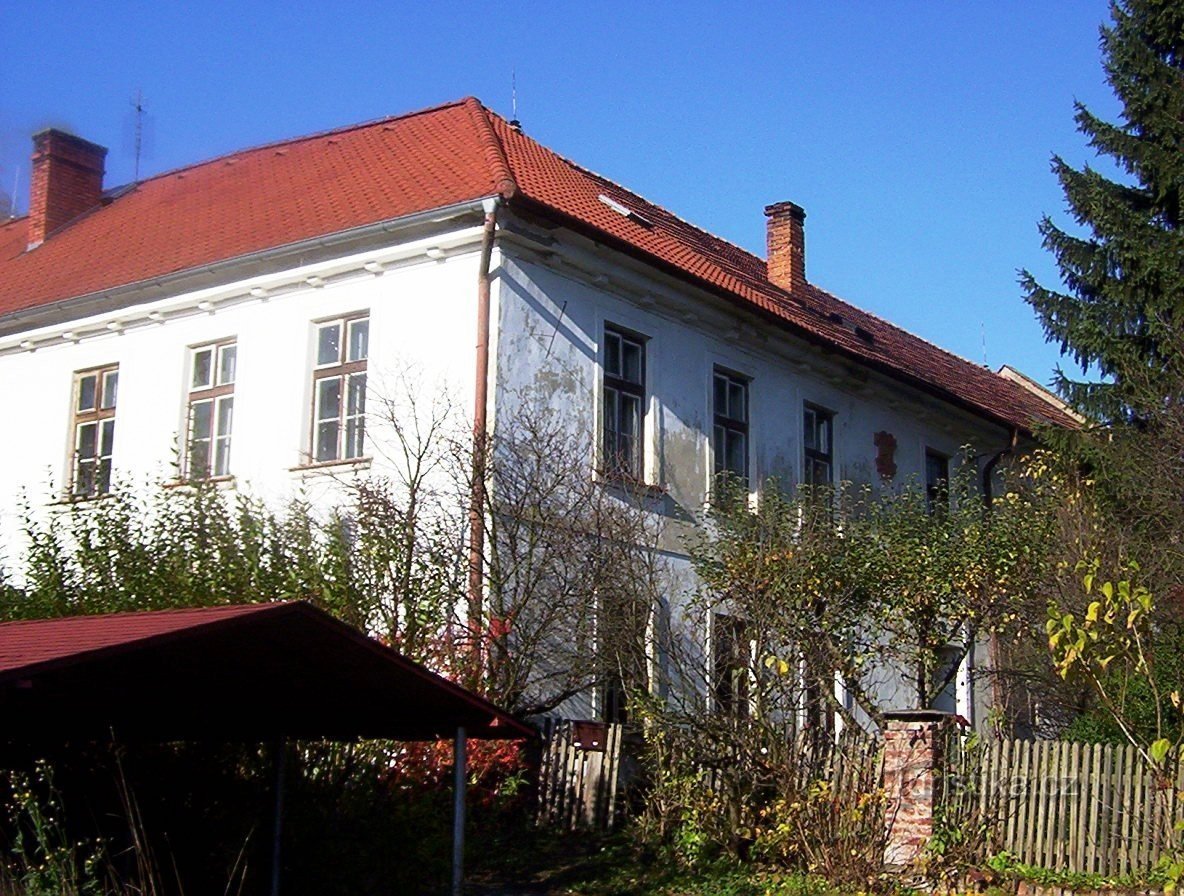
(29, 645)
(283, 193)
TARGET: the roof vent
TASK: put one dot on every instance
(624, 211)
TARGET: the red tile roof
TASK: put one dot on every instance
(29, 645)
(283, 193)
(249, 671)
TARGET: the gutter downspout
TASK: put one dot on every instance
(480, 425)
(988, 501)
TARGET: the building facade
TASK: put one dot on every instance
(235, 320)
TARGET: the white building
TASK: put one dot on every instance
(221, 320)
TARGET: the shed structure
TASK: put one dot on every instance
(252, 673)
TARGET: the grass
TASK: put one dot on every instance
(584, 865)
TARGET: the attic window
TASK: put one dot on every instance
(624, 211)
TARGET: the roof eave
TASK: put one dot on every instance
(225, 270)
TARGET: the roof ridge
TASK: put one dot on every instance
(495, 153)
(289, 141)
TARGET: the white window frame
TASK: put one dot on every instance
(215, 390)
(344, 365)
(90, 466)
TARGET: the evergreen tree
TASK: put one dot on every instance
(1122, 312)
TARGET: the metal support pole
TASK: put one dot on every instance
(460, 776)
(280, 760)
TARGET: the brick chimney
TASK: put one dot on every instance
(67, 181)
(786, 239)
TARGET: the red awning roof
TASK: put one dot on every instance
(284, 193)
(252, 672)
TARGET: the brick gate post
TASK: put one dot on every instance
(913, 772)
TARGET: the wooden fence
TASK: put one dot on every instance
(579, 775)
(1074, 807)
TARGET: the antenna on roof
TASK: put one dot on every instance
(138, 106)
(16, 180)
(983, 330)
(514, 122)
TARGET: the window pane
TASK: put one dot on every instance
(227, 361)
(824, 434)
(721, 396)
(611, 403)
(627, 455)
(810, 429)
(359, 339)
(818, 472)
(203, 363)
(103, 477)
(87, 440)
(630, 415)
(222, 456)
(110, 388)
(329, 344)
(631, 361)
(329, 398)
(107, 439)
(327, 440)
(355, 429)
(736, 460)
(737, 399)
(200, 417)
(225, 415)
(718, 448)
(222, 440)
(84, 476)
(87, 391)
(612, 354)
(199, 459)
(357, 394)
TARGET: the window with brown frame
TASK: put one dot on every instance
(211, 409)
(730, 432)
(624, 403)
(93, 431)
(339, 389)
(937, 482)
(730, 665)
(818, 439)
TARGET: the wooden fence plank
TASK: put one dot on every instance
(1035, 852)
(1061, 785)
(1073, 787)
(1016, 783)
(1090, 816)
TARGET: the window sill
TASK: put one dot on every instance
(64, 501)
(217, 482)
(332, 467)
(630, 485)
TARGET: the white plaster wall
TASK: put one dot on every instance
(422, 324)
(552, 319)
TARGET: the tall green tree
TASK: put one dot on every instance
(1120, 314)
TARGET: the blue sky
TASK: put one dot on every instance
(917, 135)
